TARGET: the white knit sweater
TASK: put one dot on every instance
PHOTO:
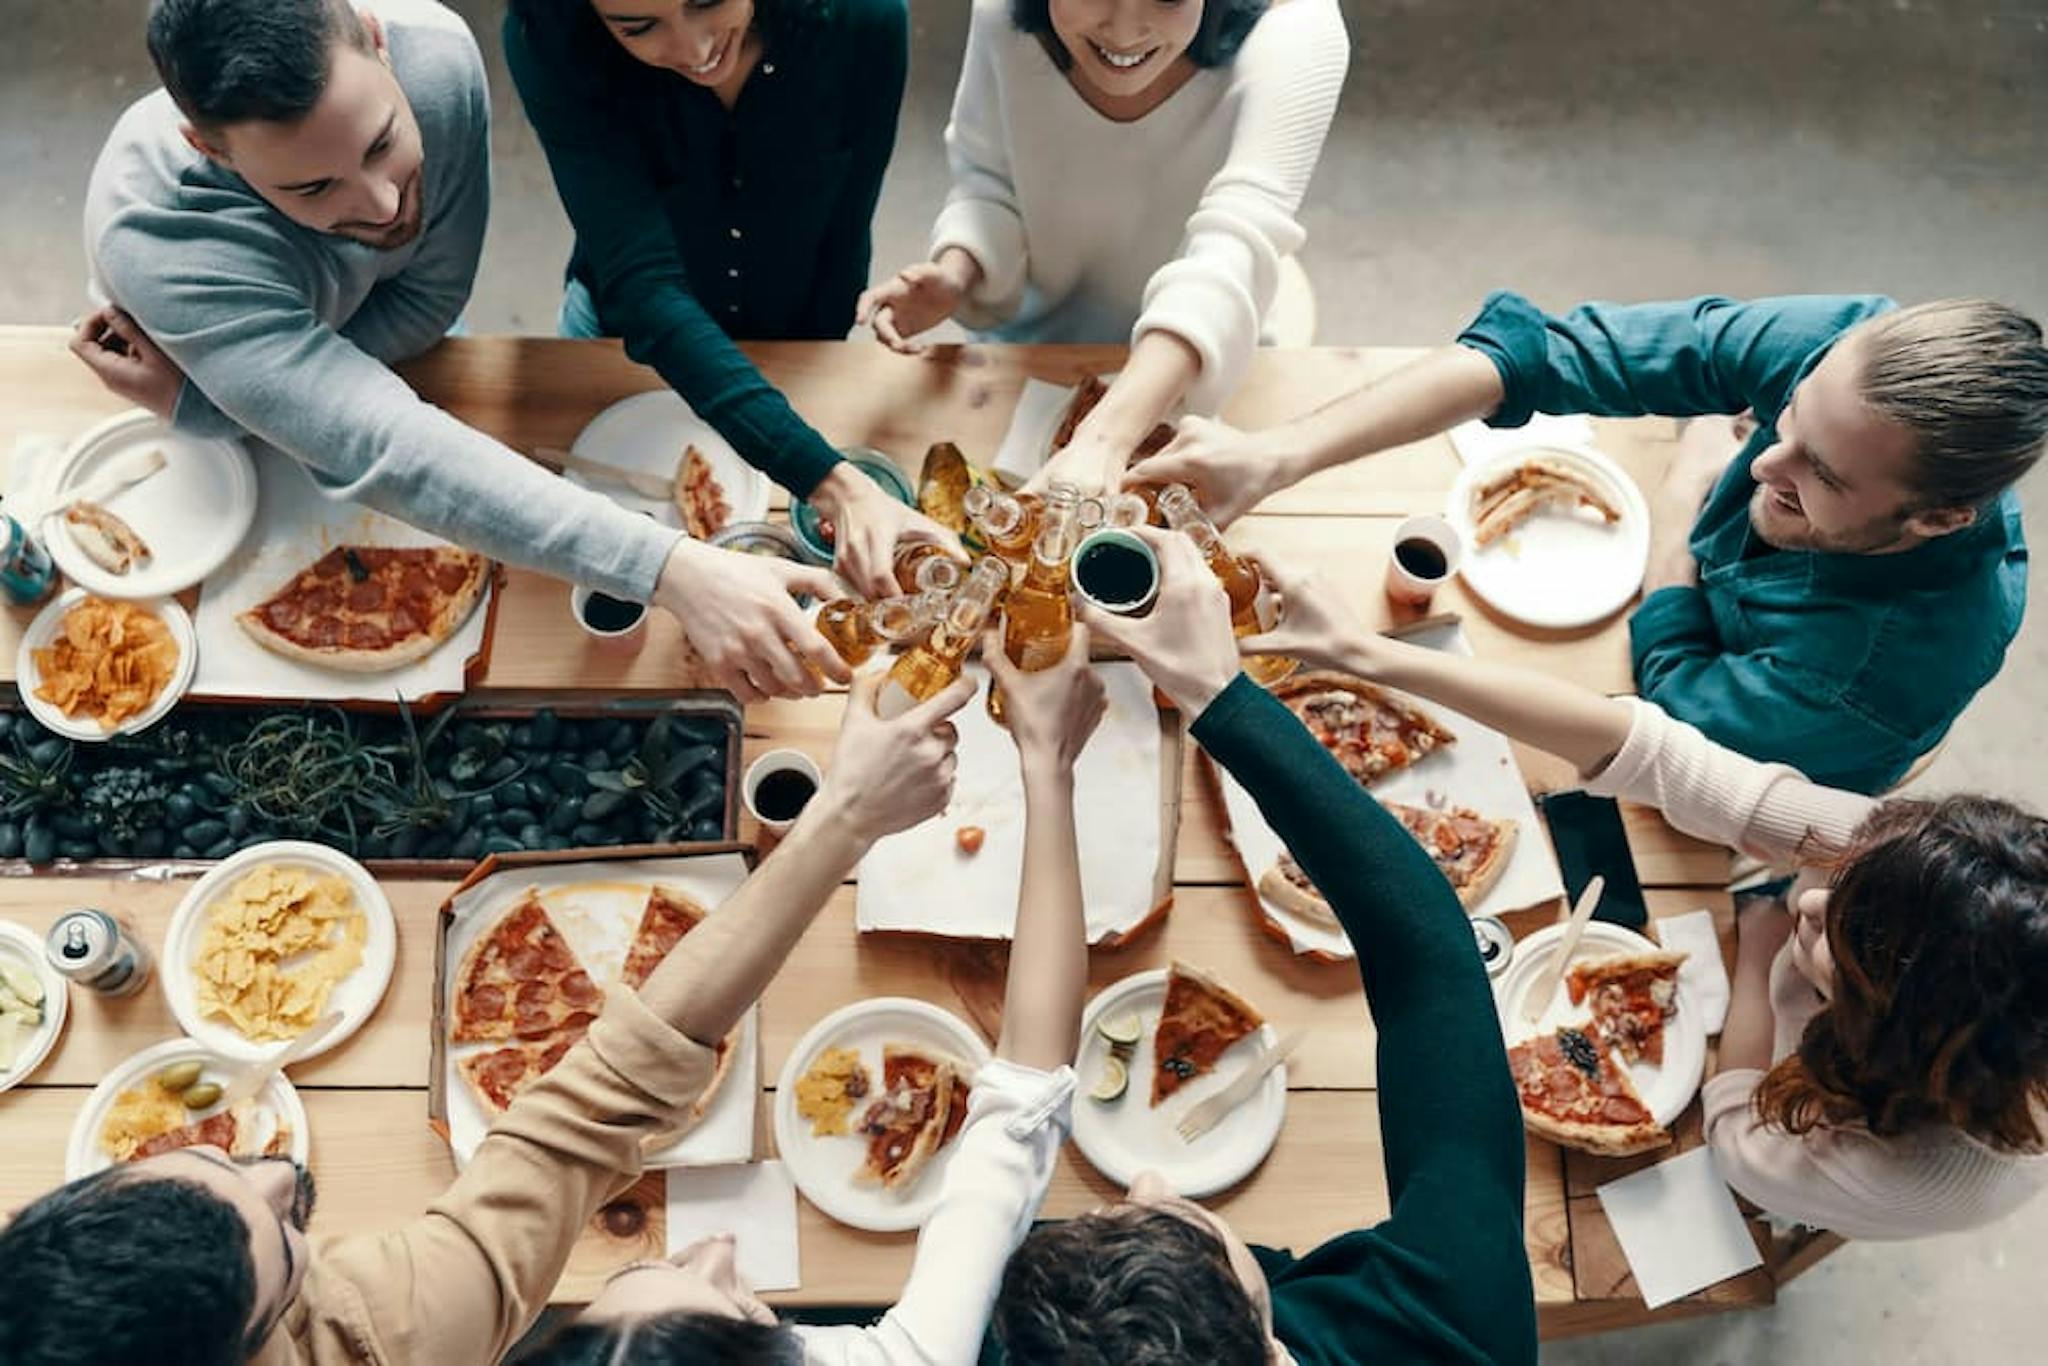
(1091, 230)
(1936, 1180)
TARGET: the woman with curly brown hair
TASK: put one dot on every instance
(1884, 1067)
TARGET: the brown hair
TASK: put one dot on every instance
(1969, 378)
(1937, 920)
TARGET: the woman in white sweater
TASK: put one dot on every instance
(1126, 170)
(1884, 1066)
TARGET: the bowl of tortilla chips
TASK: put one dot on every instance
(92, 668)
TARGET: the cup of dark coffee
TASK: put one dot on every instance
(1426, 552)
(1116, 571)
(777, 787)
(614, 625)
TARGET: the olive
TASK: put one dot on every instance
(566, 777)
(180, 1076)
(200, 1096)
(533, 835)
(180, 809)
(545, 729)
(374, 846)
(562, 819)
(499, 842)
(458, 814)
(571, 735)
(39, 843)
(200, 834)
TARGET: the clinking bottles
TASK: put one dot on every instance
(926, 669)
(1250, 608)
(1008, 523)
(857, 629)
(1038, 616)
(925, 567)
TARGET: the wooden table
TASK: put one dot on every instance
(378, 1163)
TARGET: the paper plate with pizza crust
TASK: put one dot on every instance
(1665, 1089)
(827, 1168)
(1562, 565)
(645, 438)
(1129, 1135)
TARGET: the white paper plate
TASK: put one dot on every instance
(647, 433)
(356, 996)
(82, 1154)
(17, 945)
(192, 513)
(1556, 570)
(1127, 1136)
(43, 630)
(823, 1168)
(1668, 1089)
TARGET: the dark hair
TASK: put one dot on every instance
(1969, 379)
(572, 31)
(669, 1340)
(1937, 921)
(117, 1269)
(233, 61)
(1225, 25)
(1126, 1287)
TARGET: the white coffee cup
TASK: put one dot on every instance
(625, 640)
(1422, 545)
(1125, 540)
(777, 761)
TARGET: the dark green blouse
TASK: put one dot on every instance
(695, 225)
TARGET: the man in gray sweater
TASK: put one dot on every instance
(303, 206)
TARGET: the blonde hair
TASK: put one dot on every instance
(1969, 379)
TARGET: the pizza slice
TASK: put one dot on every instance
(1370, 731)
(237, 1131)
(668, 917)
(107, 540)
(1510, 498)
(1089, 392)
(1289, 888)
(1630, 996)
(699, 498)
(1200, 1020)
(1470, 849)
(1573, 1092)
(923, 1103)
(520, 979)
(498, 1075)
(366, 609)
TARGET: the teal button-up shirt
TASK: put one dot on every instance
(1847, 667)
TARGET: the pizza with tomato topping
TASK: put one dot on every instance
(1199, 1022)
(368, 608)
(1573, 1092)
(1370, 731)
(1630, 996)
(921, 1105)
(699, 498)
(1468, 848)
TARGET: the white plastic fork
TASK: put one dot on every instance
(1210, 1112)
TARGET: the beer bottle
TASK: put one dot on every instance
(925, 567)
(1250, 608)
(857, 629)
(924, 670)
(1038, 616)
(1008, 523)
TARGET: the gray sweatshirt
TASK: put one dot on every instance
(289, 334)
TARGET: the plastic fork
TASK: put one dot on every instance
(1210, 1112)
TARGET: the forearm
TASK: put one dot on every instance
(1431, 394)
(722, 966)
(1049, 950)
(1155, 376)
(1574, 723)
(1748, 1035)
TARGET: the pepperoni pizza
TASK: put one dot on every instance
(1573, 1092)
(1630, 997)
(1370, 731)
(367, 608)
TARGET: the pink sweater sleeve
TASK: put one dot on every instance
(1711, 792)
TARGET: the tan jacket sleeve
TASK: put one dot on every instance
(464, 1280)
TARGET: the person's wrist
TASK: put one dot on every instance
(959, 269)
(684, 563)
(835, 815)
(1046, 768)
(839, 489)
(1192, 692)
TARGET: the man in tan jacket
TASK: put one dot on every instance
(193, 1258)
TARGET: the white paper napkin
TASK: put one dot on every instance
(1476, 441)
(755, 1203)
(26, 485)
(1028, 443)
(1704, 974)
(1679, 1227)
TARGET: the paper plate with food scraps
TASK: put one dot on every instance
(1476, 771)
(295, 525)
(1567, 534)
(1667, 1088)
(647, 438)
(272, 939)
(157, 658)
(597, 907)
(1126, 1134)
(939, 878)
(819, 1108)
(33, 1001)
(179, 506)
(167, 1097)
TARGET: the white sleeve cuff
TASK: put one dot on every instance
(994, 236)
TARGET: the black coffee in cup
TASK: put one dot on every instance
(1114, 574)
(1422, 558)
(609, 615)
(783, 794)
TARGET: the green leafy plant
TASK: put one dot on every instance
(125, 801)
(37, 776)
(302, 773)
(407, 796)
(652, 777)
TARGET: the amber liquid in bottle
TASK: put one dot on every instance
(857, 629)
(927, 668)
(1038, 616)
(1242, 582)
(1007, 524)
(924, 567)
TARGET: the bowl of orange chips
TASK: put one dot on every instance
(92, 668)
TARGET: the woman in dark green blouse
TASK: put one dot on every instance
(720, 162)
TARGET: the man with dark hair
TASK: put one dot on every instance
(1836, 561)
(190, 1259)
(302, 207)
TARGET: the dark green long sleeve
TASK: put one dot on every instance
(1445, 1277)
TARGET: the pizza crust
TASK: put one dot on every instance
(1585, 972)
(1604, 1140)
(948, 1073)
(1241, 1017)
(447, 621)
(1488, 872)
(1276, 887)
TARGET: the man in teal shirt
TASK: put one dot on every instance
(1833, 596)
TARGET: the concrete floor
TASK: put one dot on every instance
(1572, 150)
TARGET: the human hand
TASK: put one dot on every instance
(1312, 623)
(867, 526)
(1230, 471)
(916, 299)
(1051, 712)
(742, 619)
(1184, 644)
(1093, 462)
(127, 362)
(888, 775)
